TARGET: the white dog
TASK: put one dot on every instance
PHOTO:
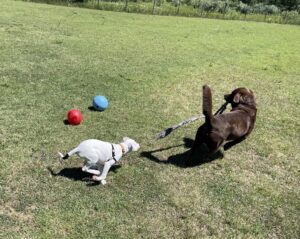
(100, 156)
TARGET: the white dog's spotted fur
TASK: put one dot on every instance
(98, 155)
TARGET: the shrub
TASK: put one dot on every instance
(195, 3)
(259, 8)
(291, 17)
(176, 2)
(271, 9)
(207, 5)
(159, 2)
(232, 14)
(244, 8)
(222, 7)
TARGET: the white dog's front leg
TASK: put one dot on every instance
(106, 168)
(91, 171)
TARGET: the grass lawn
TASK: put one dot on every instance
(152, 70)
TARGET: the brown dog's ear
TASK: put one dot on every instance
(236, 98)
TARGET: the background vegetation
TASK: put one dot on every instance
(273, 11)
(151, 68)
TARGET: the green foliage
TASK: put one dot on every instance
(176, 2)
(259, 8)
(266, 9)
(207, 5)
(159, 2)
(222, 7)
(290, 5)
(225, 9)
(290, 16)
(244, 8)
(213, 6)
(271, 9)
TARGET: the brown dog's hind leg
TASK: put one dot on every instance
(199, 140)
(234, 142)
(213, 142)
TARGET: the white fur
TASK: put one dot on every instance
(98, 155)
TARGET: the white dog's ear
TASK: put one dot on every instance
(125, 139)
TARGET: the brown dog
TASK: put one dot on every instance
(233, 127)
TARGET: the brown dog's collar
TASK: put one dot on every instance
(123, 148)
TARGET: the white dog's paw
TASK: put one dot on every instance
(60, 154)
(97, 178)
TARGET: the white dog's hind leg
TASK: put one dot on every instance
(106, 168)
(91, 171)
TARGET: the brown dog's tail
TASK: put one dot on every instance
(207, 104)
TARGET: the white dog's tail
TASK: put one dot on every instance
(73, 151)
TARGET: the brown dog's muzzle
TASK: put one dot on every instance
(228, 98)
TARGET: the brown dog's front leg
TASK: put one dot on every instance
(234, 142)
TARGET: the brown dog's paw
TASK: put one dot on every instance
(188, 163)
(226, 147)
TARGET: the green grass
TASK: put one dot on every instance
(151, 69)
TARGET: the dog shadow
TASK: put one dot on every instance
(181, 160)
(66, 122)
(91, 108)
(76, 174)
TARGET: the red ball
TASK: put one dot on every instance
(74, 117)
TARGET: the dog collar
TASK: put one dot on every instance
(113, 153)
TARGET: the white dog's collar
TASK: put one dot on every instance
(113, 152)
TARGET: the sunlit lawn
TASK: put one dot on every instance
(151, 69)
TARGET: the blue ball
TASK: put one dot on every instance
(100, 102)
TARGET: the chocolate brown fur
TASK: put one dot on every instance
(230, 128)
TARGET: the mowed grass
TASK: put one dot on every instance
(152, 70)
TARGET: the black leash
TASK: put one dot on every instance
(222, 109)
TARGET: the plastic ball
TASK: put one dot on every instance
(74, 117)
(100, 103)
